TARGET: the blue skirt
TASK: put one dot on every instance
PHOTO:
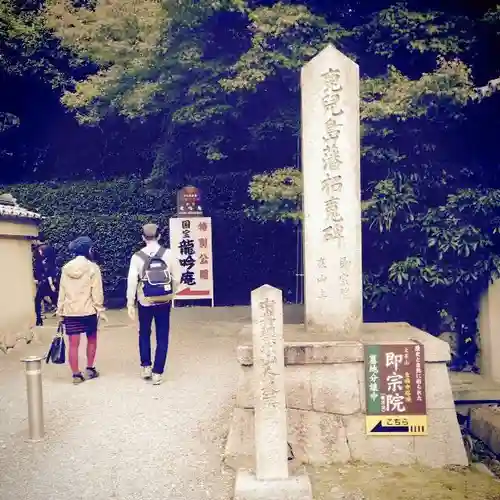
(75, 325)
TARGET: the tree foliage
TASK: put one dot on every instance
(27, 44)
(121, 40)
(431, 236)
(26, 48)
(216, 85)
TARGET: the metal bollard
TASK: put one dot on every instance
(33, 367)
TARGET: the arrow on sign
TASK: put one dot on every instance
(390, 428)
(188, 291)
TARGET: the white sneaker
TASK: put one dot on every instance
(157, 379)
(146, 372)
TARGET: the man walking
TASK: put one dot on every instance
(153, 279)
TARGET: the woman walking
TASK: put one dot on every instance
(80, 305)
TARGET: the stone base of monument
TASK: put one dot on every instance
(248, 487)
(326, 405)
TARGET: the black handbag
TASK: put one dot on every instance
(57, 351)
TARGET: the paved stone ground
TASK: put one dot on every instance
(119, 437)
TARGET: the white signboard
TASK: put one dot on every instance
(191, 240)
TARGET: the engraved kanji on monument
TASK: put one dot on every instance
(332, 194)
(271, 478)
(271, 451)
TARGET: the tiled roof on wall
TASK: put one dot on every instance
(10, 208)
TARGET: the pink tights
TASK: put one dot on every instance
(74, 344)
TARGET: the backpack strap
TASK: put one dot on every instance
(142, 255)
(161, 252)
(148, 258)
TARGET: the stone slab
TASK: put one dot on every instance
(444, 444)
(325, 388)
(336, 388)
(393, 450)
(239, 449)
(314, 437)
(297, 388)
(299, 349)
(485, 425)
(248, 487)
(322, 438)
(340, 388)
(317, 438)
(299, 393)
(438, 387)
(472, 387)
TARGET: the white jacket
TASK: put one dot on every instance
(80, 291)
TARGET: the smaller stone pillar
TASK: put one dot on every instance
(271, 479)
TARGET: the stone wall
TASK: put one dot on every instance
(18, 228)
(325, 395)
(485, 425)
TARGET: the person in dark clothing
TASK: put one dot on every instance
(46, 278)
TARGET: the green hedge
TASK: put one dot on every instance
(103, 198)
(247, 254)
(127, 196)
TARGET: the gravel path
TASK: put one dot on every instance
(119, 437)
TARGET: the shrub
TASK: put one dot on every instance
(247, 254)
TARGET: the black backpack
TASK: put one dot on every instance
(156, 280)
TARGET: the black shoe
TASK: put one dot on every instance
(39, 322)
(92, 372)
(78, 378)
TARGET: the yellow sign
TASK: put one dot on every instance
(394, 425)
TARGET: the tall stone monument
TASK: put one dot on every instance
(325, 378)
(332, 194)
